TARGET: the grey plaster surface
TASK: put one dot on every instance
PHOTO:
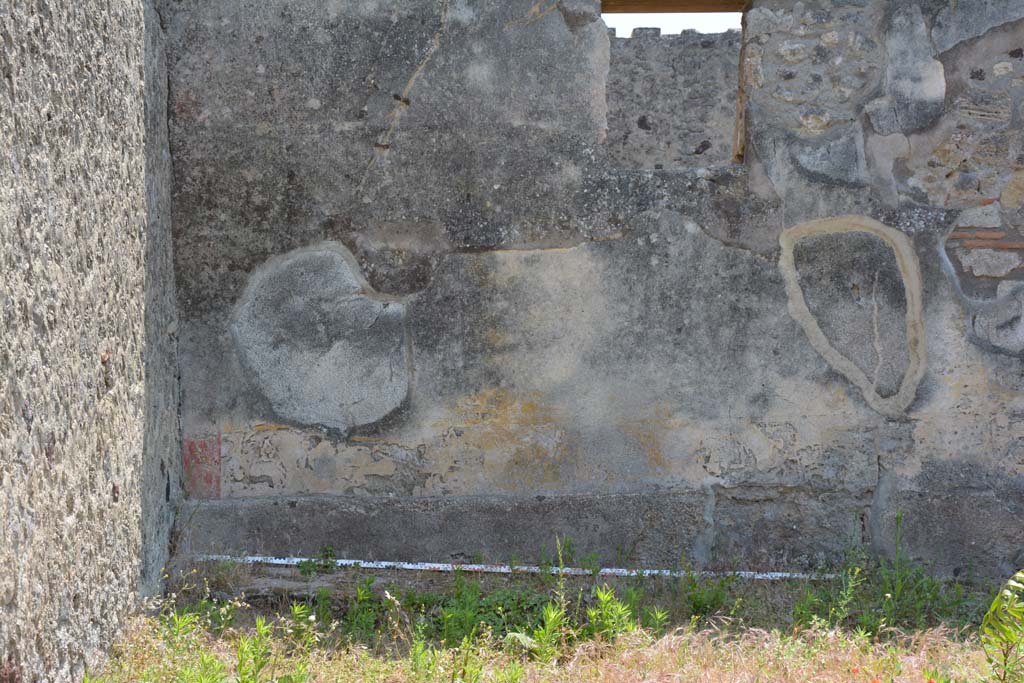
(447, 279)
(588, 307)
(160, 476)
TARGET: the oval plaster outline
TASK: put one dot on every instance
(910, 271)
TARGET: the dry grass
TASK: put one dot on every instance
(755, 655)
(153, 652)
(345, 627)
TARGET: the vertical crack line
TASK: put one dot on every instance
(877, 332)
(537, 12)
(382, 145)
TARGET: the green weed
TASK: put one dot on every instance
(610, 617)
(705, 596)
(323, 563)
(363, 611)
(253, 653)
(1002, 632)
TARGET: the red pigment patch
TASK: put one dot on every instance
(201, 462)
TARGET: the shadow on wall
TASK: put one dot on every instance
(160, 480)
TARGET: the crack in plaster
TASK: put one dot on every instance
(910, 270)
(877, 333)
(382, 146)
(538, 11)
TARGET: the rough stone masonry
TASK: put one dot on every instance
(89, 432)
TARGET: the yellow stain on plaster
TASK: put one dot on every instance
(496, 417)
(520, 439)
(649, 432)
(534, 465)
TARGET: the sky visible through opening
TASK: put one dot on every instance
(674, 22)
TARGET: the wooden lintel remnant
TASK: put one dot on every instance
(673, 5)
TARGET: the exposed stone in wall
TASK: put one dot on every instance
(999, 323)
(989, 262)
(915, 82)
(808, 70)
(672, 99)
(75, 337)
(960, 21)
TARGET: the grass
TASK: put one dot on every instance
(716, 652)
(867, 621)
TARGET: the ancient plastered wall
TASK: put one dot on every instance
(75, 320)
(430, 312)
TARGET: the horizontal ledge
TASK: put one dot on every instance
(617, 6)
(445, 567)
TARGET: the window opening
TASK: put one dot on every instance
(674, 97)
(672, 23)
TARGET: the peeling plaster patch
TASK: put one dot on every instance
(322, 345)
(268, 459)
(906, 260)
(989, 262)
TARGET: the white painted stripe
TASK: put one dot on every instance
(507, 569)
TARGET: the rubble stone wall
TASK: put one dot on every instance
(89, 471)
